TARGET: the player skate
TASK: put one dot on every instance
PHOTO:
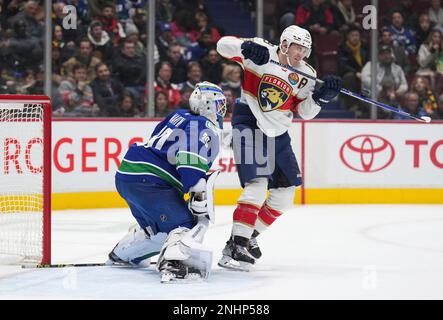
(236, 255)
(232, 253)
(253, 247)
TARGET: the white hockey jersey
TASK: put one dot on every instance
(270, 91)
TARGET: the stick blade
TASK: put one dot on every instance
(426, 119)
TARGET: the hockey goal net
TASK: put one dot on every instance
(25, 179)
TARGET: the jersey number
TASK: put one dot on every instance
(159, 139)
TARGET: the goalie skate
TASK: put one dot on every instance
(176, 272)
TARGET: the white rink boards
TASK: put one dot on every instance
(341, 161)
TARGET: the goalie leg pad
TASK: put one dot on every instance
(137, 247)
(183, 256)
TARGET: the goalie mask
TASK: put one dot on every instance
(300, 36)
(208, 100)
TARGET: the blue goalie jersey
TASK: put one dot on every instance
(179, 152)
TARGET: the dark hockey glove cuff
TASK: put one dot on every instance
(255, 52)
(328, 91)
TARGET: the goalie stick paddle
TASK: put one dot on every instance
(356, 95)
(210, 194)
(76, 265)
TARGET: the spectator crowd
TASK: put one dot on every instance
(410, 51)
(99, 66)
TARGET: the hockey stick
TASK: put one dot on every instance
(356, 96)
(75, 265)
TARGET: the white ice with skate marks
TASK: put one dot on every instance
(312, 252)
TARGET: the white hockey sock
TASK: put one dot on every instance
(249, 203)
(266, 217)
(279, 199)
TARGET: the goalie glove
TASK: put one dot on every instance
(197, 204)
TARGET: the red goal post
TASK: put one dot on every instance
(25, 179)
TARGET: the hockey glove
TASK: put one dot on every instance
(255, 52)
(197, 204)
(328, 91)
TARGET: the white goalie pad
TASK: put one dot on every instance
(137, 247)
(185, 245)
(194, 269)
(200, 259)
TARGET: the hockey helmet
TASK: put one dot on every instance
(295, 34)
(208, 100)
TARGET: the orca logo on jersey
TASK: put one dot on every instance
(273, 92)
(205, 139)
(367, 153)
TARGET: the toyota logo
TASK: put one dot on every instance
(367, 153)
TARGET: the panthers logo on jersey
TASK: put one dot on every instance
(273, 92)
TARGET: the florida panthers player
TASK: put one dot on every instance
(270, 95)
(153, 177)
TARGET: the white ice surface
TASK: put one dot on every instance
(312, 252)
